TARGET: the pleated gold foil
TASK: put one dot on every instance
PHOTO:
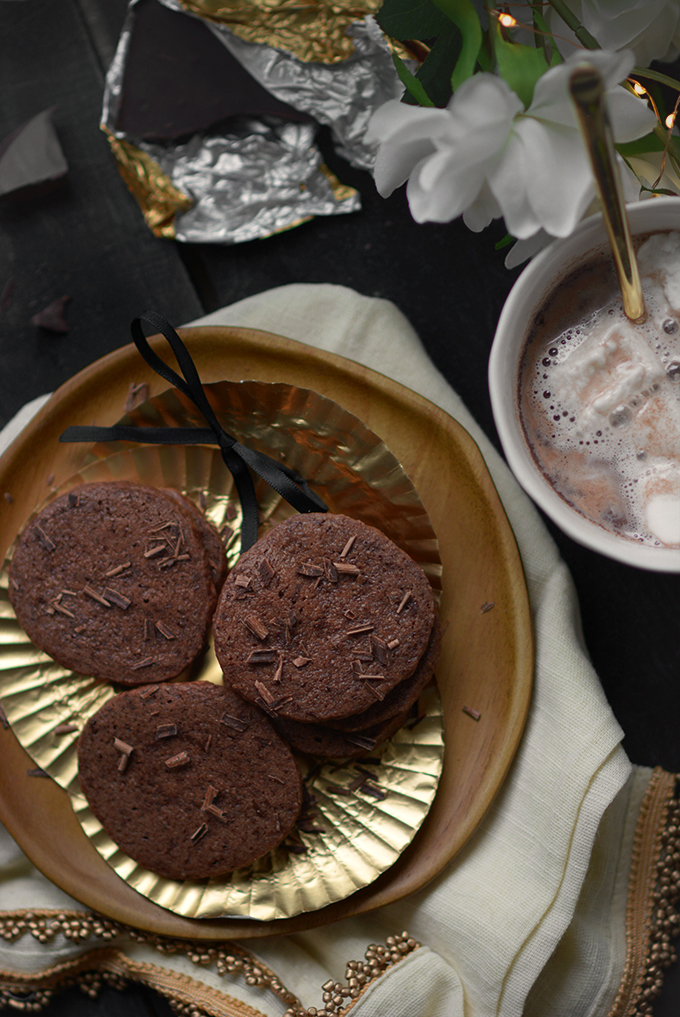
(154, 192)
(315, 31)
(361, 833)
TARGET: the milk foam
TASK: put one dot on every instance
(601, 405)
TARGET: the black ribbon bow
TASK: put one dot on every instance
(237, 457)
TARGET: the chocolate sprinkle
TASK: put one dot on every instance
(261, 657)
(268, 698)
(211, 794)
(117, 598)
(256, 626)
(345, 569)
(148, 692)
(48, 544)
(360, 630)
(164, 630)
(266, 572)
(180, 760)
(123, 746)
(199, 834)
(378, 648)
(475, 714)
(155, 551)
(166, 731)
(95, 596)
(61, 609)
(62, 729)
(348, 546)
(147, 662)
(404, 601)
(117, 570)
(302, 661)
(233, 722)
(487, 606)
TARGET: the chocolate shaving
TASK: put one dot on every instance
(345, 569)
(231, 512)
(3, 719)
(62, 729)
(404, 601)
(295, 847)
(265, 572)
(48, 544)
(176, 761)
(95, 596)
(218, 813)
(211, 794)
(279, 669)
(148, 629)
(373, 792)
(147, 662)
(278, 780)
(266, 695)
(206, 747)
(475, 714)
(61, 609)
(234, 722)
(261, 657)
(153, 551)
(49, 610)
(117, 570)
(73, 499)
(312, 571)
(336, 789)
(256, 626)
(117, 598)
(357, 665)
(378, 648)
(376, 693)
(349, 614)
(348, 547)
(164, 630)
(356, 784)
(366, 773)
(137, 394)
(166, 731)
(361, 740)
(330, 571)
(302, 661)
(171, 561)
(151, 690)
(37, 771)
(360, 630)
(487, 606)
(80, 628)
(123, 746)
(243, 582)
(8, 497)
(393, 643)
(199, 834)
(68, 593)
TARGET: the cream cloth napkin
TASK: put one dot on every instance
(518, 916)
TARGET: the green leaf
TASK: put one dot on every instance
(546, 39)
(505, 242)
(411, 19)
(521, 66)
(437, 68)
(464, 16)
(414, 87)
(648, 143)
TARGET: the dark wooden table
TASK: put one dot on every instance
(89, 241)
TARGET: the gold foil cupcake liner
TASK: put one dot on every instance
(365, 812)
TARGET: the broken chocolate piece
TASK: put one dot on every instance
(182, 759)
(53, 317)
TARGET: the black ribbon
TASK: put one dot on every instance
(237, 457)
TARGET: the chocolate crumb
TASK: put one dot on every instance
(404, 601)
(375, 692)
(199, 834)
(87, 589)
(256, 626)
(164, 630)
(233, 722)
(301, 661)
(62, 729)
(49, 610)
(48, 544)
(166, 731)
(117, 598)
(148, 692)
(37, 771)
(348, 546)
(180, 760)
(487, 606)
(147, 662)
(475, 714)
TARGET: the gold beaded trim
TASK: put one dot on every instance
(652, 914)
(22, 992)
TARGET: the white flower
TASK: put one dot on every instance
(485, 156)
(651, 28)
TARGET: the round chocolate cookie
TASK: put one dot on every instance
(322, 618)
(212, 542)
(111, 580)
(188, 779)
(403, 696)
(327, 743)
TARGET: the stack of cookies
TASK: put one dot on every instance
(331, 629)
(325, 630)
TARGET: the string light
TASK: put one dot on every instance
(670, 120)
(639, 89)
(507, 20)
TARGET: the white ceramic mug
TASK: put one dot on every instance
(529, 293)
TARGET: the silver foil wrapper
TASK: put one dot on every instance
(265, 175)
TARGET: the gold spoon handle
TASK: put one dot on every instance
(587, 91)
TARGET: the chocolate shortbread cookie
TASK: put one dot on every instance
(322, 618)
(188, 779)
(327, 743)
(212, 542)
(111, 580)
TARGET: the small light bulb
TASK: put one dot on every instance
(639, 89)
(507, 20)
(670, 120)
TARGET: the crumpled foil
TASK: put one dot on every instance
(355, 836)
(264, 175)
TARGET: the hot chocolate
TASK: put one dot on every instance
(599, 397)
